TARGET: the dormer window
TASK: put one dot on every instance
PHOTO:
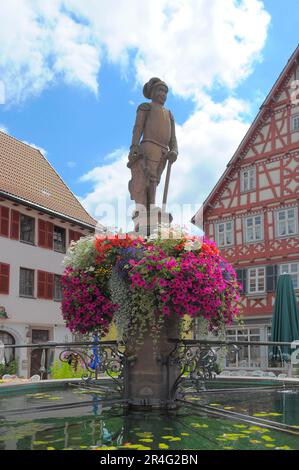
(248, 179)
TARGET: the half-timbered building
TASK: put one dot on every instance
(252, 212)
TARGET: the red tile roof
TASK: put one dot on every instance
(26, 174)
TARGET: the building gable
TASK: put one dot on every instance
(271, 145)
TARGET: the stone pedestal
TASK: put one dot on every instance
(149, 379)
(147, 222)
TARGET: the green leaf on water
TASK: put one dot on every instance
(267, 438)
(163, 446)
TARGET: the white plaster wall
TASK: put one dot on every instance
(31, 313)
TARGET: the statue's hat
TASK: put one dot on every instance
(149, 86)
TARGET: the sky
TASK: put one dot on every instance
(72, 73)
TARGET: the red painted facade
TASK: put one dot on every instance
(257, 197)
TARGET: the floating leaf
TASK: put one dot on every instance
(215, 404)
(268, 438)
(197, 425)
(239, 426)
(167, 437)
(229, 408)
(228, 448)
(283, 448)
(185, 434)
(257, 428)
(103, 448)
(146, 440)
(163, 446)
(255, 441)
(39, 443)
(269, 445)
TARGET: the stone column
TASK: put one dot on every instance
(149, 379)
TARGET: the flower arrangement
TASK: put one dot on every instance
(139, 283)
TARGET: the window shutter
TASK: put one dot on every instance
(241, 278)
(41, 284)
(4, 221)
(74, 236)
(42, 233)
(15, 225)
(271, 278)
(50, 286)
(4, 278)
(49, 239)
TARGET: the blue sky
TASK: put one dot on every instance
(73, 90)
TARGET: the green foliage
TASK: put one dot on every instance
(10, 368)
(120, 295)
(81, 254)
(62, 370)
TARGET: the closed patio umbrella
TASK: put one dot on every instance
(285, 319)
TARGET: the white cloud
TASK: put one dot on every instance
(194, 44)
(206, 141)
(41, 150)
(3, 128)
(71, 164)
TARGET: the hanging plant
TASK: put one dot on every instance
(141, 283)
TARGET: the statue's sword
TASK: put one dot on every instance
(165, 193)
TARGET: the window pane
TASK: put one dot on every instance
(281, 215)
(59, 239)
(27, 229)
(26, 282)
(291, 227)
(229, 238)
(57, 287)
(294, 267)
(281, 228)
(291, 213)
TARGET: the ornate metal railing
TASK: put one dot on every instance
(104, 358)
(196, 361)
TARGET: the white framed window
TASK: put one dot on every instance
(225, 233)
(247, 356)
(286, 222)
(295, 123)
(248, 179)
(254, 228)
(256, 280)
(293, 270)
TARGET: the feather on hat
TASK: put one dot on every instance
(149, 86)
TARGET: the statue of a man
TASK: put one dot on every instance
(153, 144)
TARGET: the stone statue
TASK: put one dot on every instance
(153, 145)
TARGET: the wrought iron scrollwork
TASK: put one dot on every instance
(197, 363)
(110, 360)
